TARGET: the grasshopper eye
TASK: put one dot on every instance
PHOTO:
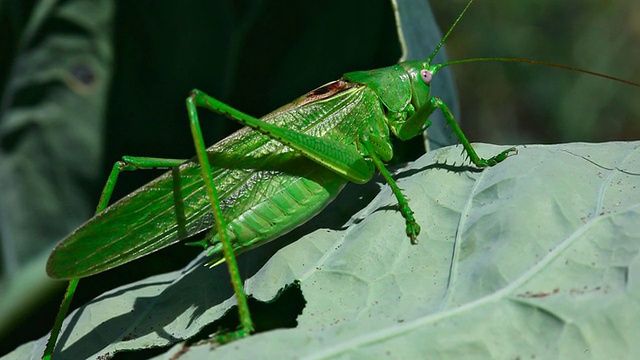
(426, 76)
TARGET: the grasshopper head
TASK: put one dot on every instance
(420, 74)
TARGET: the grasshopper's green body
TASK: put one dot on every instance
(263, 180)
(265, 189)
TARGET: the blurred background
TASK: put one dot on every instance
(85, 82)
(508, 103)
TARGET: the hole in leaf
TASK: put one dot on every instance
(281, 312)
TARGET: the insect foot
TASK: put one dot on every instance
(482, 163)
(228, 337)
(413, 230)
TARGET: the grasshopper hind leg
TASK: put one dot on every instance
(198, 99)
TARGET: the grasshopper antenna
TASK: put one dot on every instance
(535, 62)
(434, 68)
(444, 38)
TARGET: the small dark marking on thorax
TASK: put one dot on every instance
(325, 91)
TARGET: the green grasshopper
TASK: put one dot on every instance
(267, 178)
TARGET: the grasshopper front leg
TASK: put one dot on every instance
(473, 156)
(413, 229)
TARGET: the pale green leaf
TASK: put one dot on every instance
(535, 257)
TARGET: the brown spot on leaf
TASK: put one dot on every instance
(541, 294)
